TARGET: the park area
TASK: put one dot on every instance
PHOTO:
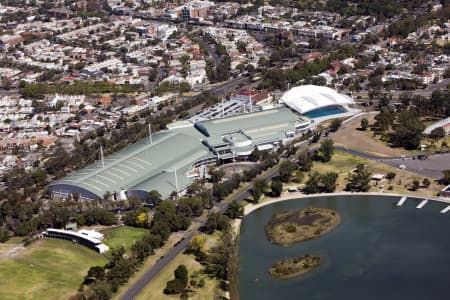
(46, 269)
(344, 163)
(350, 135)
(123, 236)
(154, 289)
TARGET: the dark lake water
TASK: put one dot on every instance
(379, 251)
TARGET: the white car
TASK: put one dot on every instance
(402, 167)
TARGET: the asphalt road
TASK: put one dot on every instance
(139, 285)
(430, 167)
(212, 52)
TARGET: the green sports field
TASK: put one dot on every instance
(46, 269)
(123, 236)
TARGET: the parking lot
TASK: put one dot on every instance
(431, 167)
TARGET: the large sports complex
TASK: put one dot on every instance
(170, 160)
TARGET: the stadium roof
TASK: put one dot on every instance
(142, 166)
(259, 127)
(306, 98)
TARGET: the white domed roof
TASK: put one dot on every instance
(310, 97)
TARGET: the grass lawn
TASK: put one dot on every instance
(47, 269)
(15, 240)
(149, 262)
(154, 290)
(343, 163)
(123, 236)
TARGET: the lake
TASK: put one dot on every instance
(379, 251)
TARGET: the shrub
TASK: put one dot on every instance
(415, 185)
(291, 228)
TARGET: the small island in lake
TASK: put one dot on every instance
(290, 227)
(292, 267)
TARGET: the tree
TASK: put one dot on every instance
(234, 210)
(364, 123)
(328, 181)
(385, 118)
(4, 236)
(390, 176)
(216, 175)
(326, 149)
(312, 184)
(359, 180)
(276, 188)
(286, 170)
(102, 290)
(321, 183)
(335, 124)
(415, 185)
(259, 186)
(154, 198)
(181, 273)
(196, 244)
(178, 284)
(408, 132)
(216, 221)
(437, 133)
(95, 273)
(305, 162)
(445, 180)
(426, 182)
(298, 178)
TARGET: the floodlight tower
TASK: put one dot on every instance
(176, 178)
(150, 134)
(101, 156)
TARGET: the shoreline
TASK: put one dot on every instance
(285, 196)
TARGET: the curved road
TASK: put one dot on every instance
(139, 285)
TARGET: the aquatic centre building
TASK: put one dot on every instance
(170, 160)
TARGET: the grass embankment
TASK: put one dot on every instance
(154, 290)
(344, 163)
(15, 240)
(289, 227)
(46, 269)
(149, 262)
(123, 236)
(293, 267)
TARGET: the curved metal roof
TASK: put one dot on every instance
(306, 98)
(136, 166)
